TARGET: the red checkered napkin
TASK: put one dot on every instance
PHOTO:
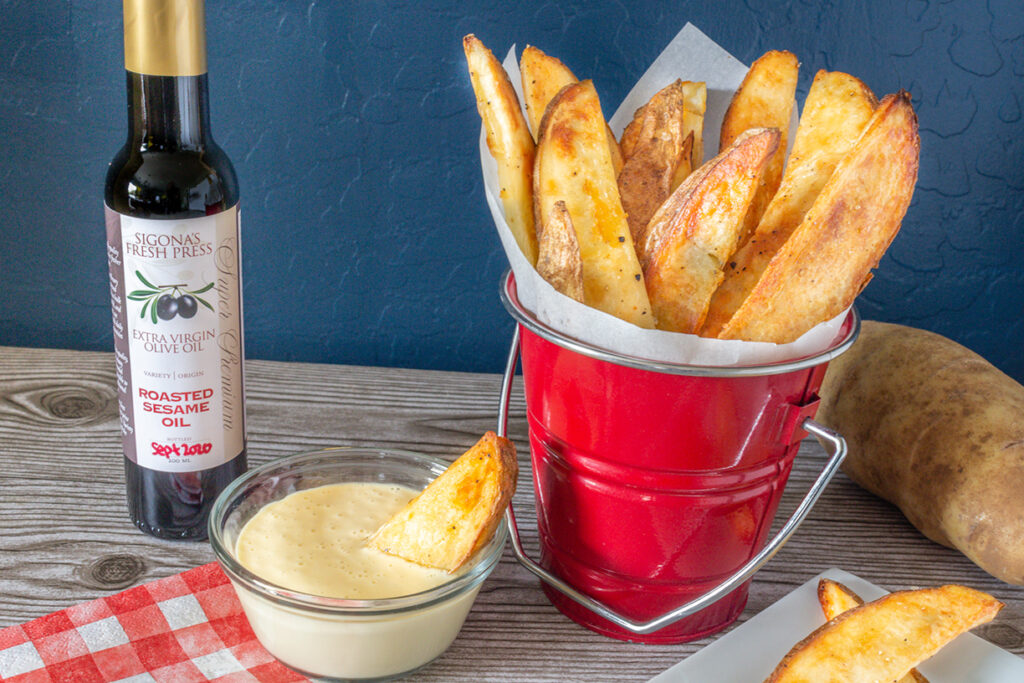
(187, 627)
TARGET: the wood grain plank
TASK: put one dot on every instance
(65, 537)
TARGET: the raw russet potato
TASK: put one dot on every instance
(935, 429)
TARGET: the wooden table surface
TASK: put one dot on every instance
(65, 536)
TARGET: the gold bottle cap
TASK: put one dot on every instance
(164, 37)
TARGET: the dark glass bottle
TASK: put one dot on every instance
(168, 174)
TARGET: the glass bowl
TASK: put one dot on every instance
(336, 638)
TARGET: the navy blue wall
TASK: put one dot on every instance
(352, 125)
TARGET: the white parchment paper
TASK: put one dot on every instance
(691, 56)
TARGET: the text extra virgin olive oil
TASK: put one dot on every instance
(175, 279)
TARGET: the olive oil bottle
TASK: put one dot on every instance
(175, 279)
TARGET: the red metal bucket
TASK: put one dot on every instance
(657, 483)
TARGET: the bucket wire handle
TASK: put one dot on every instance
(832, 442)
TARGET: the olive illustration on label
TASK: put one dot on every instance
(166, 307)
(164, 302)
(187, 306)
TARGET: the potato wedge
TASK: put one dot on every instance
(835, 598)
(822, 267)
(660, 118)
(614, 150)
(659, 227)
(573, 165)
(508, 139)
(765, 99)
(690, 237)
(696, 103)
(685, 167)
(695, 99)
(907, 626)
(558, 260)
(543, 76)
(657, 150)
(836, 111)
(458, 512)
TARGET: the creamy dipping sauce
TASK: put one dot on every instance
(314, 541)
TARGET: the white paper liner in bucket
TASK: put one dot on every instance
(690, 56)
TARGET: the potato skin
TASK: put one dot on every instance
(937, 430)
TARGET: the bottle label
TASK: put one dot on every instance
(175, 297)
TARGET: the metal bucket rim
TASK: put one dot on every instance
(528, 320)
